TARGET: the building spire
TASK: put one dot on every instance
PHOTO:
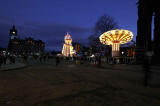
(13, 26)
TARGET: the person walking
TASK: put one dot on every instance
(57, 60)
(1, 60)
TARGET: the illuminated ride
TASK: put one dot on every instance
(115, 38)
(67, 50)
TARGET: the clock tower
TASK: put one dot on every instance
(13, 33)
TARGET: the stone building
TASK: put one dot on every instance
(28, 45)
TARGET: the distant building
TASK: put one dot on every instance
(67, 46)
(24, 46)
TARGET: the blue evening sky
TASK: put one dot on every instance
(49, 20)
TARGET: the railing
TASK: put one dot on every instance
(119, 60)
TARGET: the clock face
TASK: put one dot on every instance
(13, 32)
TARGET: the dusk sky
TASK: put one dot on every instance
(49, 20)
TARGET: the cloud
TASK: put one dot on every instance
(52, 34)
(54, 29)
(6, 19)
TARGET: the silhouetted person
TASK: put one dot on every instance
(35, 57)
(146, 69)
(40, 58)
(25, 58)
(12, 59)
(99, 61)
(4, 59)
(1, 61)
(57, 60)
(44, 58)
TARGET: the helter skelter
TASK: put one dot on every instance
(115, 38)
(67, 50)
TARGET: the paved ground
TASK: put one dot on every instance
(13, 66)
(78, 85)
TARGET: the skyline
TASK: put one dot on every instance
(50, 20)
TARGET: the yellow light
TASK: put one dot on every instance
(115, 38)
(67, 47)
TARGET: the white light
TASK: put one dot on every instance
(122, 52)
(92, 55)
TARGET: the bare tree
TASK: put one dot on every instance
(104, 23)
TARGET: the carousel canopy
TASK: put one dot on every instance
(116, 36)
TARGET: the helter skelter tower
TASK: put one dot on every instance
(67, 46)
(115, 38)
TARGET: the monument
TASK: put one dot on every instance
(148, 10)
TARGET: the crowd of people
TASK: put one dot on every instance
(31, 59)
(12, 59)
(7, 59)
(36, 58)
(96, 60)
